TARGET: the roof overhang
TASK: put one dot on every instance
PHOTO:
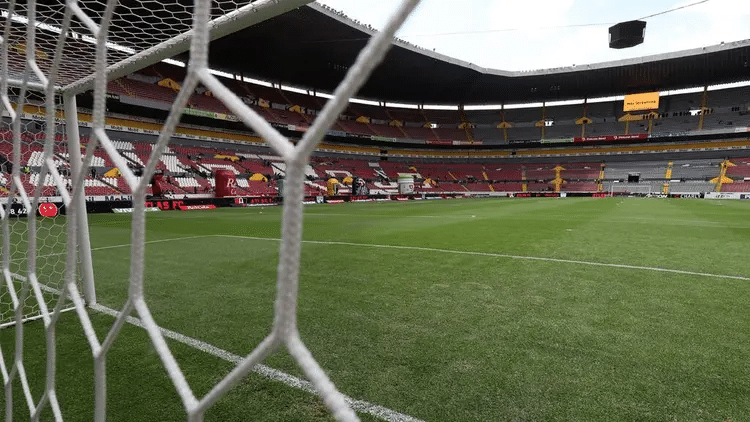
(312, 47)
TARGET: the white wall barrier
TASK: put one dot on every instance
(727, 195)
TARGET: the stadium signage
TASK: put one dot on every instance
(37, 117)
(48, 209)
(383, 139)
(558, 141)
(262, 205)
(467, 142)
(164, 205)
(362, 199)
(639, 102)
(210, 114)
(720, 195)
(536, 195)
(262, 201)
(611, 138)
(197, 207)
(557, 195)
(18, 211)
(337, 133)
(130, 210)
(45, 209)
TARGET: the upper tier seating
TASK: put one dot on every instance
(727, 109)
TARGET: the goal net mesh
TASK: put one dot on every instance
(18, 223)
(53, 50)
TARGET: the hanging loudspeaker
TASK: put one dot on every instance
(627, 34)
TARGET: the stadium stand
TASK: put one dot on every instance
(676, 113)
(741, 168)
(727, 109)
(188, 170)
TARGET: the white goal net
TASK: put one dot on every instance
(53, 50)
(24, 186)
(639, 189)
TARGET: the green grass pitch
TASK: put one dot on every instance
(434, 309)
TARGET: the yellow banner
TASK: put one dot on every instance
(645, 101)
(115, 172)
(169, 83)
(232, 158)
(504, 125)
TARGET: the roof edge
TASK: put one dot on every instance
(536, 72)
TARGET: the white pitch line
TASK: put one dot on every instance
(454, 251)
(361, 406)
(545, 217)
(496, 255)
(266, 371)
(122, 245)
(148, 242)
(341, 214)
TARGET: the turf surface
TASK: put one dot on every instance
(435, 310)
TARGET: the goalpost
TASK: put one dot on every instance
(51, 52)
(640, 189)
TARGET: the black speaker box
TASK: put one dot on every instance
(626, 34)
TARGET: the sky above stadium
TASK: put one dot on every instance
(542, 34)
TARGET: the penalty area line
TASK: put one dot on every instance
(266, 371)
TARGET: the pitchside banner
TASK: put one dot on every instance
(723, 195)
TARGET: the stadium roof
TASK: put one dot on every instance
(312, 47)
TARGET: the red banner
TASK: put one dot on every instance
(611, 137)
(226, 183)
(196, 207)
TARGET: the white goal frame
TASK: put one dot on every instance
(57, 79)
(630, 188)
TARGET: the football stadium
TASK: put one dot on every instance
(270, 211)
